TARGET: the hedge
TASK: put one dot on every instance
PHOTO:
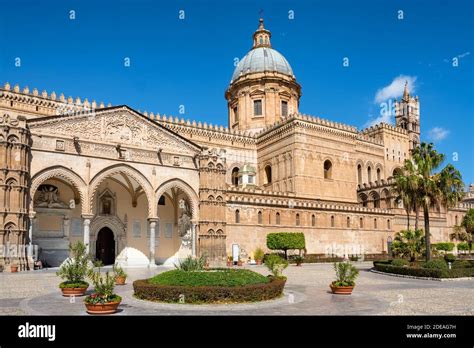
(285, 241)
(425, 272)
(448, 246)
(463, 246)
(144, 290)
(215, 277)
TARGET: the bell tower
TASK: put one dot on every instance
(407, 116)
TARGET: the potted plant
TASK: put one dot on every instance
(346, 275)
(103, 300)
(258, 255)
(14, 267)
(120, 275)
(239, 262)
(230, 261)
(299, 260)
(74, 271)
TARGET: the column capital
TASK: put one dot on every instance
(154, 219)
(32, 215)
(87, 216)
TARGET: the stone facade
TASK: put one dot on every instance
(143, 188)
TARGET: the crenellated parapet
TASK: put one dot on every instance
(32, 102)
(370, 131)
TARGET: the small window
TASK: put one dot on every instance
(361, 222)
(268, 174)
(161, 200)
(235, 176)
(236, 114)
(261, 40)
(332, 221)
(389, 224)
(297, 219)
(237, 216)
(455, 220)
(257, 107)
(379, 175)
(375, 223)
(284, 108)
(277, 218)
(359, 174)
(259, 217)
(369, 174)
(348, 221)
(327, 169)
(313, 220)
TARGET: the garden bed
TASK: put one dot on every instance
(213, 286)
(458, 270)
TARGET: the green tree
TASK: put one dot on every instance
(465, 231)
(444, 188)
(286, 241)
(408, 244)
(404, 187)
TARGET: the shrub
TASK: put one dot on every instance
(445, 246)
(215, 277)
(346, 274)
(463, 246)
(74, 270)
(449, 258)
(399, 262)
(103, 286)
(258, 254)
(299, 259)
(411, 271)
(408, 243)
(118, 271)
(461, 264)
(191, 264)
(145, 290)
(275, 264)
(285, 241)
(435, 264)
(75, 284)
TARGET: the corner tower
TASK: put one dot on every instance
(407, 116)
(263, 88)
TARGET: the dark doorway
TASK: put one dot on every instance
(105, 246)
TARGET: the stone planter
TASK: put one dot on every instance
(341, 290)
(68, 292)
(105, 308)
(119, 280)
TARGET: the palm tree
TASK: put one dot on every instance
(408, 244)
(404, 187)
(445, 187)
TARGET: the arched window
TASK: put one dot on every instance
(359, 174)
(237, 216)
(313, 220)
(327, 169)
(277, 218)
(348, 221)
(361, 222)
(297, 219)
(369, 174)
(261, 40)
(259, 217)
(332, 221)
(235, 176)
(268, 174)
(379, 175)
(455, 220)
(375, 223)
(389, 225)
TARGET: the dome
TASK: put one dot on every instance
(261, 59)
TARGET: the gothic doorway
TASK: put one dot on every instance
(105, 246)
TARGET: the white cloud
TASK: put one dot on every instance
(385, 117)
(438, 133)
(462, 55)
(395, 88)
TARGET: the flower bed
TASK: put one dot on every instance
(214, 286)
(459, 269)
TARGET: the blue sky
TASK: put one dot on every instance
(190, 62)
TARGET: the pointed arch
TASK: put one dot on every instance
(188, 191)
(129, 171)
(64, 174)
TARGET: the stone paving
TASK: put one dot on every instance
(306, 293)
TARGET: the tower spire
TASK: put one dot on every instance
(405, 91)
(261, 37)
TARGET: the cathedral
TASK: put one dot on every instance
(144, 189)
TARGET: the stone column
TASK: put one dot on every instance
(152, 242)
(66, 227)
(86, 224)
(193, 234)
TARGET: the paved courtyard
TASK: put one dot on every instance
(306, 293)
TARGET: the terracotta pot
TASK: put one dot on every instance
(229, 263)
(239, 263)
(299, 264)
(106, 308)
(259, 262)
(341, 290)
(119, 280)
(14, 269)
(68, 292)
